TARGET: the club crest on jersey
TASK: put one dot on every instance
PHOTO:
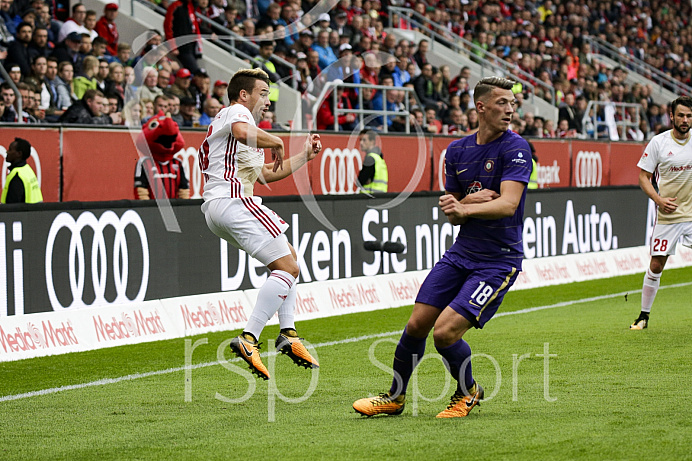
(474, 187)
(489, 165)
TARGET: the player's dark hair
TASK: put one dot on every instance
(681, 101)
(23, 147)
(370, 134)
(486, 85)
(245, 79)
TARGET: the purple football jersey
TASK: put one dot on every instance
(470, 167)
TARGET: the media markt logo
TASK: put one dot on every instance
(144, 324)
(33, 337)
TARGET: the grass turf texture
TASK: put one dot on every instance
(619, 394)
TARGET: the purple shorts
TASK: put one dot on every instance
(475, 294)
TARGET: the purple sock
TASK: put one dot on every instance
(456, 355)
(404, 362)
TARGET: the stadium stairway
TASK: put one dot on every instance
(135, 19)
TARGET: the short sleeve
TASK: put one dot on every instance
(649, 160)
(517, 161)
(141, 179)
(451, 179)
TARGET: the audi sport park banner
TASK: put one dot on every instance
(44, 160)
(98, 164)
(75, 255)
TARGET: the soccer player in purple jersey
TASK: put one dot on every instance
(486, 177)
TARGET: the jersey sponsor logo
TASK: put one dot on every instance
(109, 246)
(474, 187)
(588, 169)
(677, 169)
(339, 171)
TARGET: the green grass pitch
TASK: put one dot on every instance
(603, 393)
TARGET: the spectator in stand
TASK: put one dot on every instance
(90, 23)
(87, 79)
(219, 91)
(421, 54)
(323, 49)
(564, 131)
(52, 26)
(313, 60)
(425, 88)
(529, 127)
(161, 104)
(163, 81)
(124, 54)
(108, 29)
(567, 112)
(548, 129)
(26, 93)
(102, 75)
(371, 69)
(9, 114)
(188, 113)
(200, 87)
(39, 43)
(433, 124)
(89, 111)
(181, 24)
(459, 123)
(271, 17)
(132, 114)
(115, 83)
(69, 51)
(64, 89)
(18, 50)
(210, 108)
(21, 185)
(305, 41)
(325, 114)
(8, 27)
(174, 107)
(388, 102)
(149, 90)
(51, 82)
(15, 73)
(74, 23)
(181, 84)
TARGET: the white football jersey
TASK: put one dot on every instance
(230, 168)
(670, 160)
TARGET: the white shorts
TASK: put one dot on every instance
(666, 236)
(247, 224)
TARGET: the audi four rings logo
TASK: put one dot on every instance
(99, 253)
(588, 169)
(344, 166)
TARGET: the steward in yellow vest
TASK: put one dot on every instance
(263, 62)
(533, 179)
(21, 185)
(373, 177)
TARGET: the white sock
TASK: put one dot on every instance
(269, 299)
(649, 290)
(288, 308)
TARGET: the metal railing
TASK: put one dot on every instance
(362, 113)
(595, 118)
(227, 39)
(474, 52)
(656, 76)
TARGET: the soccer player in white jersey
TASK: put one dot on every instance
(232, 160)
(669, 157)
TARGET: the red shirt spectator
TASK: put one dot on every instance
(107, 28)
(325, 115)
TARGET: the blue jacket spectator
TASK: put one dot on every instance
(323, 49)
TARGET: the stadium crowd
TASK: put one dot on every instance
(78, 71)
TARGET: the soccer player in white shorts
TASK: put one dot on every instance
(232, 160)
(668, 156)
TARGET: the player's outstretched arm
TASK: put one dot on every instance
(309, 151)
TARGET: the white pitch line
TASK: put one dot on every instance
(105, 381)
